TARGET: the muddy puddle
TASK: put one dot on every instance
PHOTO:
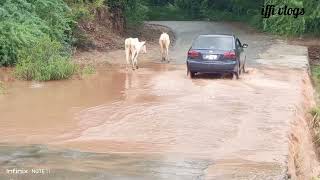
(154, 123)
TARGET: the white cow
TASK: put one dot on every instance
(164, 42)
(133, 47)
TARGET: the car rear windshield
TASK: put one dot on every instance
(207, 42)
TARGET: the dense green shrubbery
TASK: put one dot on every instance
(241, 10)
(37, 35)
(44, 61)
(23, 22)
(135, 11)
(82, 9)
(285, 25)
(312, 17)
(137, 14)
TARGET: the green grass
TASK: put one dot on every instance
(315, 71)
(88, 70)
(23, 22)
(315, 112)
(2, 88)
(43, 62)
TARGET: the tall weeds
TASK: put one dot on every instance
(44, 61)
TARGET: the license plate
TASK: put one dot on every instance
(211, 57)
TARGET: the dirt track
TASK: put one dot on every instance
(156, 123)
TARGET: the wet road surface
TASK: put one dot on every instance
(156, 123)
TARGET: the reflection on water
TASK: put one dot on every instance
(154, 123)
(67, 164)
(34, 112)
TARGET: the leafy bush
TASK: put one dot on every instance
(23, 22)
(43, 61)
(242, 10)
(312, 16)
(137, 14)
(285, 25)
(82, 9)
(135, 11)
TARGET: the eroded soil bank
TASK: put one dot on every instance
(106, 58)
(303, 160)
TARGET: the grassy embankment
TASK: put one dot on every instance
(37, 37)
(1, 88)
(314, 55)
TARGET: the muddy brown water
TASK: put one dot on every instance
(154, 123)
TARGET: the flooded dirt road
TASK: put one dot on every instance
(156, 123)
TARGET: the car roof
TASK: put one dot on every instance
(215, 35)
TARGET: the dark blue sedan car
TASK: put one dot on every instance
(216, 54)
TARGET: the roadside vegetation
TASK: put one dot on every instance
(248, 11)
(32, 25)
(44, 61)
(1, 88)
(315, 112)
(37, 36)
(315, 69)
(24, 22)
(314, 55)
(86, 70)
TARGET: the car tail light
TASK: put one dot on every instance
(230, 55)
(193, 54)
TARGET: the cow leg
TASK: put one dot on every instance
(134, 60)
(161, 51)
(133, 65)
(127, 57)
(137, 67)
(167, 54)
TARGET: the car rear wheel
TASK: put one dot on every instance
(192, 74)
(244, 67)
(237, 73)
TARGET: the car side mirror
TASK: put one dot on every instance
(244, 45)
